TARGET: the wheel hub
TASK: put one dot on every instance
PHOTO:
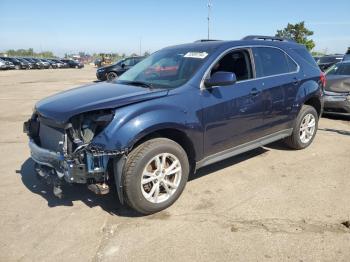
(161, 177)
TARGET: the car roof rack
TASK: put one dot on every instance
(267, 38)
(205, 40)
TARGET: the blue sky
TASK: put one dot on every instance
(117, 26)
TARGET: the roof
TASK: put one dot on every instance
(210, 45)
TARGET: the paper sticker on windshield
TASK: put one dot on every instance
(199, 55)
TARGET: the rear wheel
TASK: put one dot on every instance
(111, 76)
(155, 175)
(305, 128)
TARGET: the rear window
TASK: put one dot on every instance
(339, 69)
(306, 56)
(272, 61)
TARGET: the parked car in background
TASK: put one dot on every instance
(25, 62)
(148, 132)
(3, 65)
(328, 60)
(337, 90)
(316, 58)
(18, 64)
(52, 64)
(59, 63)
(73, 63)
(98, 62)
(347, 55)
(6, 65)
(39, 63)
(36, 63)
(46, 64)
(115, 70)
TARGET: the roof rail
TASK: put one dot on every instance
(267, 38)
(205, 40)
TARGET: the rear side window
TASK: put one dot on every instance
(272, 61)
(305, 55)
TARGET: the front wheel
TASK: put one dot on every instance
(305, 128)
(155, 175)
(111, 76)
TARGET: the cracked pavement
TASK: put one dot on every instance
(270, 204)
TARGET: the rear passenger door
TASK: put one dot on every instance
(279, 81)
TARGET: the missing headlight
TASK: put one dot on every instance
(86, 126)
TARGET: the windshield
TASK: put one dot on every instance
(168, 68)
(339, 69)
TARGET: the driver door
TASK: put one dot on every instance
(233, 114)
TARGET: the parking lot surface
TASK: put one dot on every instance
(271, 204)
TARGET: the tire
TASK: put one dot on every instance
(111, 76)
(296, 140)
(138, 167)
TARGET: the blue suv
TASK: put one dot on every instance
(182, 108)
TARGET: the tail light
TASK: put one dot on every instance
(323, 80)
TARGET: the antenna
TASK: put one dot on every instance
(209, 8)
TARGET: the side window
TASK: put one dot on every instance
(129, 62)
(237, 62)
(272, 61)
(137, 60)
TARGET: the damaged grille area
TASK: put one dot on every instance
(66, 152)
(51, 138)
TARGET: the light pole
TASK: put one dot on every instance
(209, 7)
(140, 44)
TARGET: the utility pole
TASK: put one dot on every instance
(209, 7)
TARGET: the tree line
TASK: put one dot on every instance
(29, 52)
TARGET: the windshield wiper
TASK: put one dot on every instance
(138, 83)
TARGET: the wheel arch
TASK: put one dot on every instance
(315, 102)
(175, 135)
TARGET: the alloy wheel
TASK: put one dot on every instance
(307, 128)
(161, 178)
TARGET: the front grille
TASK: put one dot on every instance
(51, 138)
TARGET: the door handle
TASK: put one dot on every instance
(255, 92)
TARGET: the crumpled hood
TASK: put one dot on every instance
(62, 106)
(338, 83)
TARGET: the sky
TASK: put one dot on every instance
(67, 26)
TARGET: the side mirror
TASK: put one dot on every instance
(221, 78)
(122, 65)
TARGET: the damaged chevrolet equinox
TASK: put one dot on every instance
(182, 108)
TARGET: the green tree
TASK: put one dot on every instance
(299, 33)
